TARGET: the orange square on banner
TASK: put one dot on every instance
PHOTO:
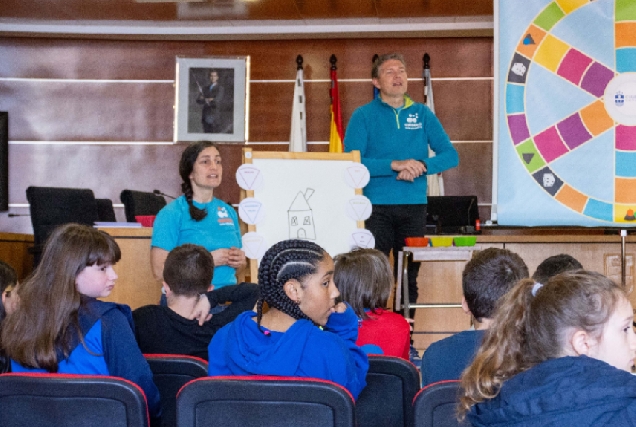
(625, 34)
(596, 119)
(572, 198)
(625, 190)
(533, 37)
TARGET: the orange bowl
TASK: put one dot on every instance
(417, 242)
(146, 220)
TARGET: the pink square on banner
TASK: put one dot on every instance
(550, 144)
(626, 138)
(573, 66)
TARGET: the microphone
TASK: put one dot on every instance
(159, 193)
(11, 215)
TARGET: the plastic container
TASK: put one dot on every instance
(465, 240)
(441, 241)
(416, 242)
(146, 220)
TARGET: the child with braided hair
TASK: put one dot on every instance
(304, 333)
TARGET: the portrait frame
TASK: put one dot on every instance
(212, 98)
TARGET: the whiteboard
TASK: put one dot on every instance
(304, 195)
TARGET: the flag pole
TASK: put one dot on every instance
(435, 182)
(298, 132)
(336, 134)
(376, 91)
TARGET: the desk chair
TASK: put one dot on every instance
(52, 206)
(261, 401)
(140, 203)
(33, 400)
(392, 383)
(170, 373)
(436, 405)
(105, 210)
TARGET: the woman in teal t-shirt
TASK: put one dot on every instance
(198, 217)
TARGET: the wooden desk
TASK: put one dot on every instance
(136, 286)
(14, 250)
(439, 282)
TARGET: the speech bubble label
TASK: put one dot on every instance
(251, 211)
(357, 176)
(362, 239)
(249, 177)
(254, 245)
(358, 208)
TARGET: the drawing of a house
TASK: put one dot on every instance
(301, 217)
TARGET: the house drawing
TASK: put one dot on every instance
(301, 217)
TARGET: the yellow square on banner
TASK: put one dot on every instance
(570, 5)
(551, 52)
(625, 213)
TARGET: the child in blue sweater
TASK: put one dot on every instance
(304, 333)
(60, 326)
(558, 354)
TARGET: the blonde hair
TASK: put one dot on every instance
(532, 325)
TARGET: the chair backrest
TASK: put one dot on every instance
(170, 373)
(105, 211)
(140, 203)
(261, 401)
(70, 401)
(53, 206)
(436, 405)
(387, 399)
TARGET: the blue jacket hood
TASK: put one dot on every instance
(249, 351)
(567, 391)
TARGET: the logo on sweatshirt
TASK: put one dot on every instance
(413, 122)
(224, 216)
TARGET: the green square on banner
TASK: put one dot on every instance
(529, 155)
(625, 10)
(549, 17)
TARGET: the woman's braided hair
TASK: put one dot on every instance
(286, 260)
(186, 165)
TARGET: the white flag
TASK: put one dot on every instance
(298, 135)
(435, 182)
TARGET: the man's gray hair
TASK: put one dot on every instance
(382, 59)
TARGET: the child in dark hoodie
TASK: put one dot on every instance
(304, 333)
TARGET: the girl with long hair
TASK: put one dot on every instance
(199, 217)
(556, 354)
(304, 333)
(60, 326)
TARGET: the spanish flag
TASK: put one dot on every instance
(335, 132)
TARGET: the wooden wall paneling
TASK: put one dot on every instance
(14, 251)
(440, 323)
(59, 111)
(396, 8)
(270, 111)
(329, 9)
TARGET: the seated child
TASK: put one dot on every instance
(8, 280)
(487, 277)
(554, 265)
(60, 326)
(187, 274)
(304, 333)
(557, 354)
(364, 279)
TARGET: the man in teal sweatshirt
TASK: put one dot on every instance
(393, 134)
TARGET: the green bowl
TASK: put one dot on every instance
(465, 240)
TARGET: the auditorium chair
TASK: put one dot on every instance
(262, 401)
(53, 206)
(33, 400)
(170, 373)
(140, 203)
(436, 405)
(105, 210)
(387, 399)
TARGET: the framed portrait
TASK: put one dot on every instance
(211, 100)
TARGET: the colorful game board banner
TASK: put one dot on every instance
(567, 112)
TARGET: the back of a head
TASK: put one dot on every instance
(286, 260)
(554, 265)
(188, 270)
(488, 276)
(534, 323)
(364, 279)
